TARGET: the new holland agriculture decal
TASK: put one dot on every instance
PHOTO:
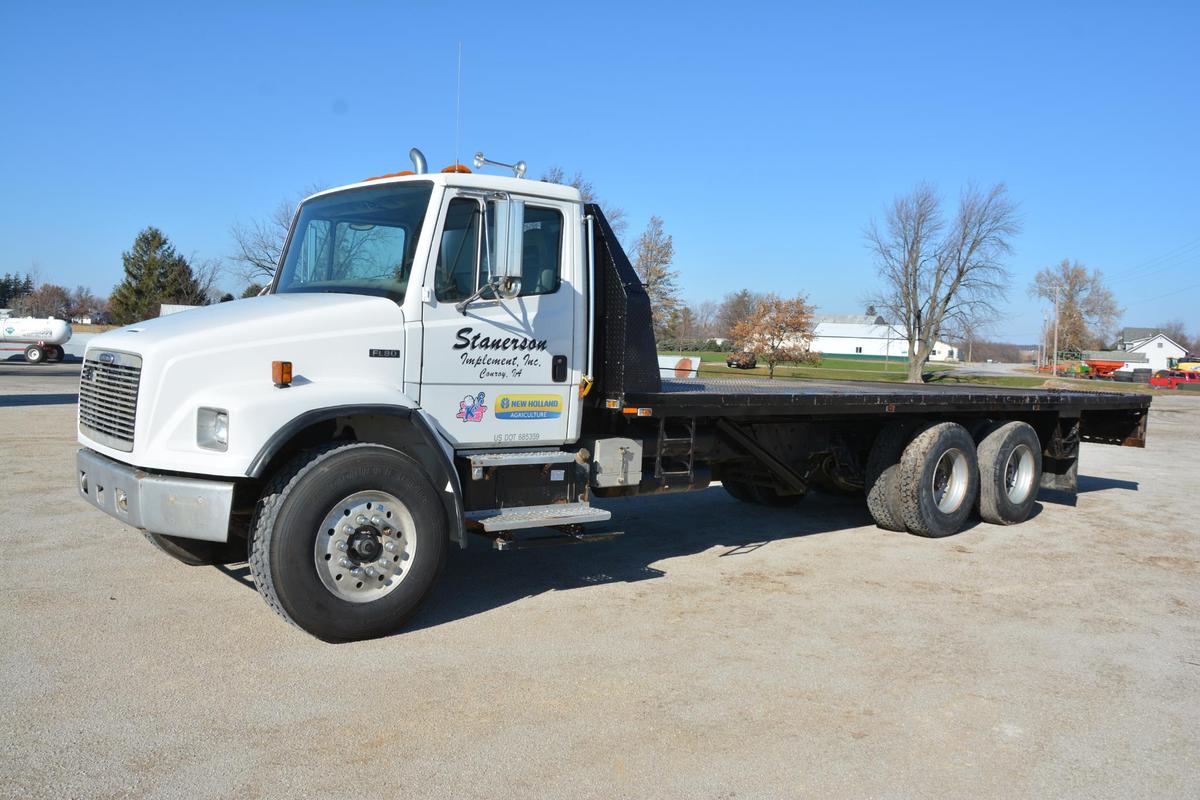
(528, 406)
(471, 408)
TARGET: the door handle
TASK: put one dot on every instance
(558, 369)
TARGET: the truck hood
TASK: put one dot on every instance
(283, 318)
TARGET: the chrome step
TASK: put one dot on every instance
(505, 458)
(511, 519)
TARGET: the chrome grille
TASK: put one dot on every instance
(108, 392)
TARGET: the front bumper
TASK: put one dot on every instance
(191, 508)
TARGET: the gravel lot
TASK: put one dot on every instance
(717, 650)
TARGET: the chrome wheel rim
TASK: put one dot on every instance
(950, 480)
(365, 546)
(1018, 474)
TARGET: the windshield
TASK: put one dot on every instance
(359, 242)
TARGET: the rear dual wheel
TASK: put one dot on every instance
(1010, 473)
(927, 481)
(937, 480)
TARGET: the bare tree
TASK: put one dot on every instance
(653, 255)
(938, 275)
(777, 330)
(736, 307)
(258, 245)
(84, 303)
(706, 319)
(1176, 332)
(48, 300)
(1087, 310)
(614, 214)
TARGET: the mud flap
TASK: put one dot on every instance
(1060, 460)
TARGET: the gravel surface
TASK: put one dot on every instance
(717, 650)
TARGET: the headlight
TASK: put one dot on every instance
(212, 428)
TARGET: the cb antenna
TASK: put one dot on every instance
(458, 106)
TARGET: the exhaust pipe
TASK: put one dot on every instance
(418, 159)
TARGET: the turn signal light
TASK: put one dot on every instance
(460, 168)
(281, 373)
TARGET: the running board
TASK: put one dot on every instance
(551, 516)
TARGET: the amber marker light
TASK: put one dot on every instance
(281, 373)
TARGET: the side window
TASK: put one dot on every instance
(462, 253)
(541, 261)
(456, 276)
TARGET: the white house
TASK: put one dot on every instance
(1161, 351)
(866, 337)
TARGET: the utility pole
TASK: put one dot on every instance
(1056, 289)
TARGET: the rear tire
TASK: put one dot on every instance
(56, 353)
(883, 466)
(35, 354)
(295, 566)
(1010, 473)
(938, 480)
(197, 553)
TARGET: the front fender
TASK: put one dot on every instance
(257, 411)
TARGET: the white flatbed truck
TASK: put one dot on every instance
(452, 356)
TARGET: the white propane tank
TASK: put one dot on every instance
(31, 330)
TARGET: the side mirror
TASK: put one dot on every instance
(510, 246)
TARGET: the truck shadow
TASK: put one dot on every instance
(479, 579)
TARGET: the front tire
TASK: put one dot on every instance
(1010, 473)
(35, 354)
(938, 480)
(347, 541)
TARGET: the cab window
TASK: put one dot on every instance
(465, 253)
(541, 261)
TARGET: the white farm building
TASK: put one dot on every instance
(1161, 351)
(866, 337)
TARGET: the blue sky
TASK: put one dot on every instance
(765, 135)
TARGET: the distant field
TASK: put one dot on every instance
(849, 369)
(78, 328)
(713, 363)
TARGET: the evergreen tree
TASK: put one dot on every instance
(154, 274)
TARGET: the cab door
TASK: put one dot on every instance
(502, 371)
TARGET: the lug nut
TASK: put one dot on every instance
(370, 572)
(347, 563)
(343, 546)
(356, 572)
(389, 546)
(376, 521)
(347, 529)
(383, 563)
(360, 519)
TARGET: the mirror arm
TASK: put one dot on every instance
(462, 305)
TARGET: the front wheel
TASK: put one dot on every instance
(35, 354)
(347, 541)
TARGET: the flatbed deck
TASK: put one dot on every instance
(792, 397)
